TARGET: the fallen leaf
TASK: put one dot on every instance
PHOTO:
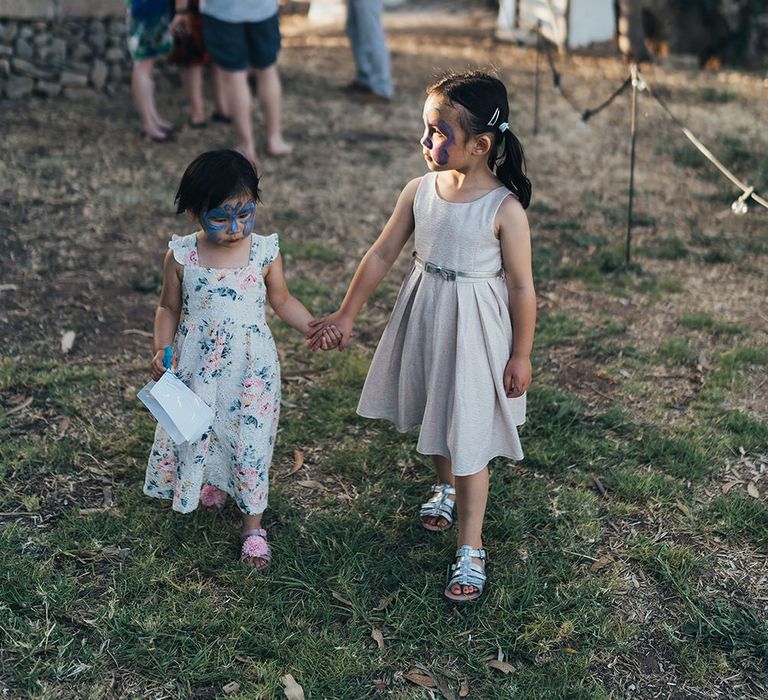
(109, 499)
(292, 690)
(67, 341)
(63, 426)
(26, 402)
(341, 598)
(311, 484)
(727, 487)
(445, 690)
(752, 490)
(298, 462)
(502, 666)
(8, 287)
(421, 679)
(464, 688)
(386, 601)
(231, 688)
(380, 685)
(601, 563)
(377, 637)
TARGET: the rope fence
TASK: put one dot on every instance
(638, 85)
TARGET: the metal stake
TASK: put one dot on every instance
(538, 72)
(633, 131)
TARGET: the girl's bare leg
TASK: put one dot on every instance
(444, 475)
(471, 502)
(253, 522)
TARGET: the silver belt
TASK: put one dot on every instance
(451, 275)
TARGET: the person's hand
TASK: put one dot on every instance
(517, 376)
(179, 25)
(331, 338)
(158, 368)
(340, 324)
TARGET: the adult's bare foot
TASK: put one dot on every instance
(279, 148)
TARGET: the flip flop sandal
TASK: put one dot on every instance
(213, 499)
(439, 506)
(465, 572)
(255, 547)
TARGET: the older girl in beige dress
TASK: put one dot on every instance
(455, 356)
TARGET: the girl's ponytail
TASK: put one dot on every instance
(508, 160)
(486, 109)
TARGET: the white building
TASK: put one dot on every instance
(567, 23)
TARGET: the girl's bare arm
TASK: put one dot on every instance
(515, 239)
(167, 314)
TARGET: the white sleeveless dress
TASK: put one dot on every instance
(226, 354)
(440, 361)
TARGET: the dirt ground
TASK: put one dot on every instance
(86, 208)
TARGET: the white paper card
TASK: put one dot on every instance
(183, 414)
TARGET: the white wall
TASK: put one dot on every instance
(587, 20)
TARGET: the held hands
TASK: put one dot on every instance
(337, 323)
(328, 337)
(517, 376)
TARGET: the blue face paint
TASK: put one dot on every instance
(438, 137)
(229, 220)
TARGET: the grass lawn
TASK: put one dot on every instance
(627, 551)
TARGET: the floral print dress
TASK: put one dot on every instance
(226, 354)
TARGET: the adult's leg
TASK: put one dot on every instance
(221, 106)
(471, 502)
(142, 88)
(362, 69)
(370, 46)
(270, 94)
(192, 81)
(238, 96)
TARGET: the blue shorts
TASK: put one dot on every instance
(236, 45)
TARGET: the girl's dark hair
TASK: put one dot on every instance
(486, 106)
(213, 178)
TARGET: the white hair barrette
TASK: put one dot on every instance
(492, 121)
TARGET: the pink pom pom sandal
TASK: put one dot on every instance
(255, 550)
(213, 499)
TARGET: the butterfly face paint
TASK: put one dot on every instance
(439, 135)
(231, 220)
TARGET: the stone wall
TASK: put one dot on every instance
(73, 57)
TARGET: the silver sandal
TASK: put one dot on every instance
(465, 572)
(439, 506)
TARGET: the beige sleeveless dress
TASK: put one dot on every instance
(440, 362)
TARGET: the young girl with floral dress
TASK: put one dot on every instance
(216, 284)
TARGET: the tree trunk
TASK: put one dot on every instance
(631, 32)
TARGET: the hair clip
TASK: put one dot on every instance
(503, 127)
(492, 121)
